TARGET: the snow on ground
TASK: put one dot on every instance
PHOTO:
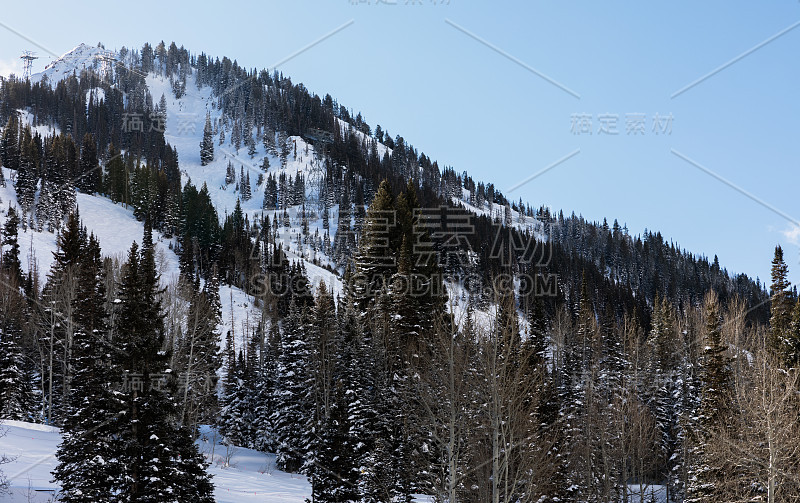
(239, 474)
(113, 224)
(95, 95)
(520, 222)
(25, 117)
(80, 58)
(380, 147)
(250, 476)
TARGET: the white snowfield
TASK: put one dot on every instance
(249, 476)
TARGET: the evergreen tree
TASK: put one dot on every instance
(331, 461)
(91, 465)
(207, 145)
(663, 387)
(388, 468)
(245, 185)
(116, 177)
(356, 371)
(162, 461)
(714, 412)
(10, 144)
(265, 387)
(238, 419)
(90, 178)
(28, 172)
(230, 174)
(198, 356)
(780, 307)
(375, 258)
(10, 261)
(292, 416)
(270, 193)
(341, 249)
(57, 323)
(17, 400)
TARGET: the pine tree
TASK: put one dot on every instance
(57, 323)
(664, 386)
(375, 258)
(90, 178)
(16, 394)
(266, 385)
(334, 458)
(162, 460)
(28, 172)
(207, 145)
(90, 459)
(10, 144)
(341, 249)
(270, 194)
(245, 186)
(331, 462)
(356, 370)
(230, 174)
(198, 355)
(116, 177)
(388, 468)
(292, 417)
(780, 307)
(238, 419)
(714, 413)
(405, 302)
(10, 261)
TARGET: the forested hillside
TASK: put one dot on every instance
(405, 328)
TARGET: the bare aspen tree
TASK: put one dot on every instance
(443, 384)
(762, 449)
(637, 453)
(514, 465)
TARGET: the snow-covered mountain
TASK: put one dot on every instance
(117, 228)
(182, 106)
(82, 57)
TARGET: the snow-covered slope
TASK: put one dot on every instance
(82, 57)
(249, 476)
(239, 474)
(113, 225)
(117, 228)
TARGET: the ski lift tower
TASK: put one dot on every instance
(106, 59)
(315, 175)
(27, 61)
(315, 184)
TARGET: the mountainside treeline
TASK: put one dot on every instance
(530, 357)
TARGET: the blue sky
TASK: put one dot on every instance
(417, 68)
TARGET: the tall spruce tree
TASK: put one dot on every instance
(293, 411)
(91, 462)
(375, 260)
(207, 144)
(780, 308)
(162, 461)
(714, 412)
(90, 179)
(10, 260)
